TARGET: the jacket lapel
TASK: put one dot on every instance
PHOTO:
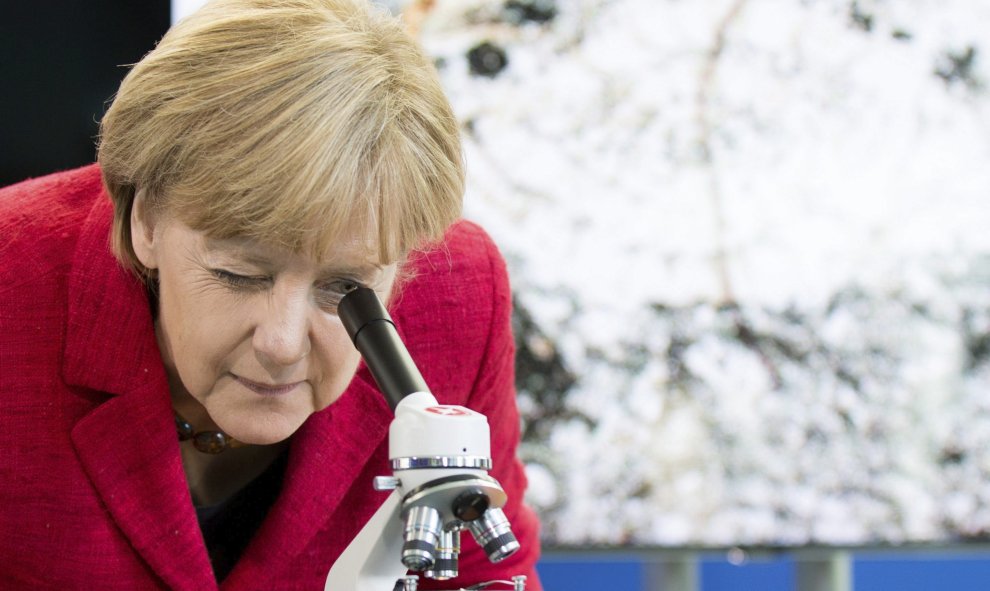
(129, 450)
(127, 445)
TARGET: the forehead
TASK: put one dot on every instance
(353, 251)
(347, 252)
(323, 228)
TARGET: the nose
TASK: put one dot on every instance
(281, 335)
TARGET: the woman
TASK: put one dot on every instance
(264, 159)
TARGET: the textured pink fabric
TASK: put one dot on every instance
(92, 492)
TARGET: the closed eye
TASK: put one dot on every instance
(241, 282)
(331, 292)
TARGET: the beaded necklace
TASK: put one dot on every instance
(208, 442)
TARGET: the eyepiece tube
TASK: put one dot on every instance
(374, 334)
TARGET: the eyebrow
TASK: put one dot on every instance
(231, 247)
(362, 272)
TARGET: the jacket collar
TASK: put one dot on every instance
(128, 446)
(110, 342)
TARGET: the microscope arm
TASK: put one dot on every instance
(372, 560)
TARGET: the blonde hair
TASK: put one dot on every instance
(286, 121)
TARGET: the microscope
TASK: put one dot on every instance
(440, 456)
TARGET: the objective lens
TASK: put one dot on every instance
(494, 535)
(448, 549)
(421, 536)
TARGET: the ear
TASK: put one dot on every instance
(143, 222)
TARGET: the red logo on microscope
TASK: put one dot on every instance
(448, 411)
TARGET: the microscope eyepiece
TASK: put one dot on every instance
(373, 333)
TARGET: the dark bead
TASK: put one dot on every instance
(186, 430)
(210, 442)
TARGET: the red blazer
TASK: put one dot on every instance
(92, 491)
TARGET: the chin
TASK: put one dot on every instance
(267, 429)
(262, 438)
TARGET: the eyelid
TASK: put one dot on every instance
(329, 286)
(332, 284)
(237, 278)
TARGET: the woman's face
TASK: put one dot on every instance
(250, 332)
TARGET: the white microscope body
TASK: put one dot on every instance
(440, 456)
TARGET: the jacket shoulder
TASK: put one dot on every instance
(465, 249)
(40, 221)
(57, 193)
(453, 307)
(465, 268)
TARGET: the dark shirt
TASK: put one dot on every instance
(228, 526)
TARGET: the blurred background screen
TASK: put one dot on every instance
(748, 242)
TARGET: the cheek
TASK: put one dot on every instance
(212, 337)
(203, 335)
(338, 361)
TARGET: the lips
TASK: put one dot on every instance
(267, 389)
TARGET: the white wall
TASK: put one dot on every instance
(182, 8)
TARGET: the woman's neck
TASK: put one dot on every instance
(215, 478)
